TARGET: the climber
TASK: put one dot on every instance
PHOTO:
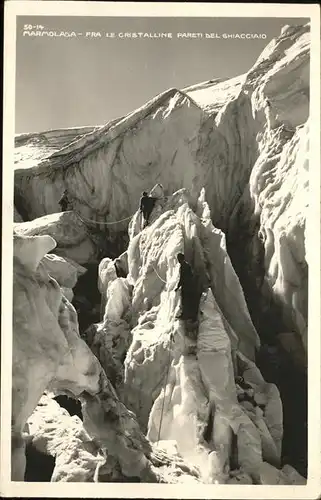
(64, 201)
(188, 293)
(146, 206)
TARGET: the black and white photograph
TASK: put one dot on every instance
(161, 250)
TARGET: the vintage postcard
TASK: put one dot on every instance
(161, 251)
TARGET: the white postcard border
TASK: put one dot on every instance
(107, 490)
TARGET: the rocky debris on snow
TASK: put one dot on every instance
(225, 135)
(179, 386)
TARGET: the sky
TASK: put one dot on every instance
(70, 82)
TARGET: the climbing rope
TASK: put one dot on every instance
(159, 275)
(166, 381)
(85, 219)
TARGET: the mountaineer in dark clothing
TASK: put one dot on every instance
(64, 201)
(146, 206)
(188, 292)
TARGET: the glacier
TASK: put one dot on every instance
(227, 162)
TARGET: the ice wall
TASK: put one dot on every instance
(238, 138)
(180, 378)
